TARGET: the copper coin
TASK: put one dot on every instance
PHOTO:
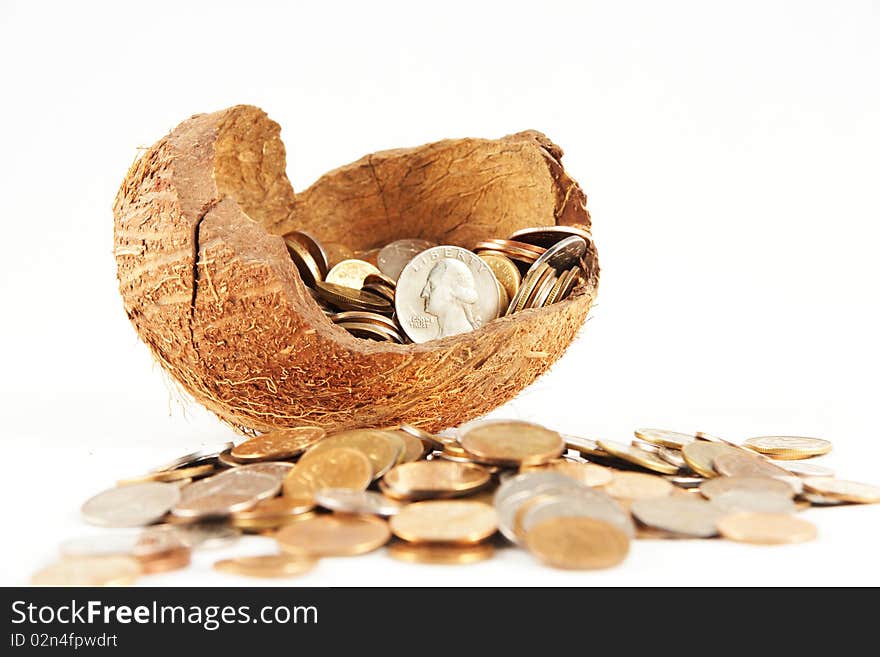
(547, 236)
(338, 467)
(382, 448)
(314, 248)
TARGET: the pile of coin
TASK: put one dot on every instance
(413, 290)
(452, 498)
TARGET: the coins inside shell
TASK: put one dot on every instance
(279, 444)
(346, 298)
(712, 488)
(700, 456)
(371, 331)
(442, 521)
(133, 505)
(441, 554)
(588, 474)
(638, 456)
(505, 271)
(757, 501)
(547, 236)
(507, 442)
(428, 479)
(350, 273)
(445, 291)
(382, 448)
(665, 438)
(308, 268)
(533, 279)
(637, 486)
(314, 248)
(336, 467)
(565, 254)
(577, 543)
(789, 447)
(766, 528)
(224, 493)
(394, 257)
(844, 491)
(89, 571)
(266, 565)
(335, 535)
(684, 516)
(345, 500)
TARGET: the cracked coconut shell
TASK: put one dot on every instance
(207, 282)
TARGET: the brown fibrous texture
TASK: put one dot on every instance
(208, 285)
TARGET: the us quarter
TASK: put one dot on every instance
(443, 291)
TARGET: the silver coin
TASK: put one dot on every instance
(277, 469)
(739, 463)
(445, 291)
(673, 457)
(232, 490)
(685, 516)
(345, 500)
(134, 505)
(395, 256)
(804, 469)
(513, 492)
(563, 255)
(207, 535)
(204, 454)
(589, 503)
(734, 501)
(583, 445)
(644, 445)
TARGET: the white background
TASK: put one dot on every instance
(730, 156)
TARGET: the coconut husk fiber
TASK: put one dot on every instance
(207, 282)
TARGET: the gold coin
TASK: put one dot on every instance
(381, 279)
(362, 317)
(712, 488)
(438, 553)
(382, 448)
(766, 528)
(437, 441)
(334, 535)
(371, 331)
(413, 448)
(542, 290)
(441, 521)
(673, 439)
(637, 486)
(638, 456)
(89, 571)
(308, 268)
(789, 448)
(168, 560)
(266, 565)
(700, 456)
(427, 479)
(273, 512)
(577, 543)
(508, 442)
(168, 476)
(316, 251)
(586, 446)
(340, 467)
(586, 473)
(278, 445)
(843, 491)
(351, 273)
(380, 290)
(564, 285)
(505, 271)
(347, 298)
(527, 289)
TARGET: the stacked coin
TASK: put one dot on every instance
(572, 502)
(413, 290)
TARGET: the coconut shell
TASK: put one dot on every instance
(207, 282)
